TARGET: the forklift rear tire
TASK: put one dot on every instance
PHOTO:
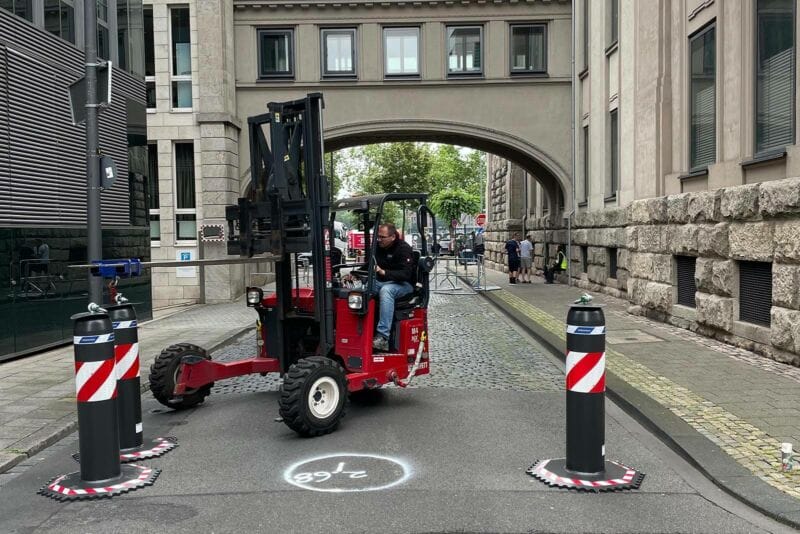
(164, 374)
(313, 396)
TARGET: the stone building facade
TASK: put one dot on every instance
(687, 183)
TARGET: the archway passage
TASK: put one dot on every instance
(546, 171)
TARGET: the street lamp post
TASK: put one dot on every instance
(93, 229)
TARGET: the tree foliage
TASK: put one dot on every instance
(451, 203)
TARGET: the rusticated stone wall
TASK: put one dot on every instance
(758, 222)
(502, 223)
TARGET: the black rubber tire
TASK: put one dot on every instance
(296, 388)
(162, 377)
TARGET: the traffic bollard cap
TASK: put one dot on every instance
(122, 312)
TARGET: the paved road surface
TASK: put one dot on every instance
(450, 453)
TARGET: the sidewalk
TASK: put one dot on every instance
(725, 408)
(37, 393)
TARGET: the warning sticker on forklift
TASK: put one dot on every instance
(339, 473)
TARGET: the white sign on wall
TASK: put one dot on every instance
(185, 272)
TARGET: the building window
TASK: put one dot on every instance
(275, 53)
(103, 43)
(149, 58)
(130, 36)
(613, 22)
(703, 144)
(613, 141)
(687, 287)
(585, 12)
(21, 8)
(586, 163)
(181, 50)
(529, 49)
(152, 192)
(612, 262)
(339, 52)
(755, 292)
(775, 74)
(464, 50)
(401, 51)
(59, 19)
(185, 211)
(585, 258)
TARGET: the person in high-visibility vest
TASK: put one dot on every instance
(559, 265)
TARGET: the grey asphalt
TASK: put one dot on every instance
(465, 444)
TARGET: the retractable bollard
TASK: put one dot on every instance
(585, 467)
(101, 474)
(129, 393)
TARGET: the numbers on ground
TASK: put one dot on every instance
(323, 476)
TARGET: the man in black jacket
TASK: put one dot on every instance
(394, 269)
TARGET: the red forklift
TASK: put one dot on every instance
(318, 338)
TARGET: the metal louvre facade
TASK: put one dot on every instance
(43, 186)
(42, 155)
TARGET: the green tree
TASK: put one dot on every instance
(453, 169)
(394, 168)
(449, 204)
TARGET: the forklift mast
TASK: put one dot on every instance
(290, 209)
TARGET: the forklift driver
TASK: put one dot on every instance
(394, 268)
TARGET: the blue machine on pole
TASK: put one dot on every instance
(585, 467)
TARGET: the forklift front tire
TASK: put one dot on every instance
(313, 396)
(164, 375)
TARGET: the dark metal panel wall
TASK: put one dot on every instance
(5, 172)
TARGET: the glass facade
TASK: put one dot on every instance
(275, 54)
(703, 99)
(464, 50)
(39, 289)
(339, 52)
(775, 74)
(401, 51)
(528, 49)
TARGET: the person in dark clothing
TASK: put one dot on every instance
(512, 248)
(394, 270)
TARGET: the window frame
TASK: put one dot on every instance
(149, 80)
(287, 32)
(776, 148)
(585, 21)
(613, 24)
(711, 25)
(323, 54)
(614, 154)
(527, 72)
(106, 25)
(463, 73)
(179, 78)
(184, 211)
(153, 211)
(586, 162)
(386, 73)
(61, 3)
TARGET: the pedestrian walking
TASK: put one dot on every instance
(526, 259)
(512, 249)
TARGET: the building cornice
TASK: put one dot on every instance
(373, 4)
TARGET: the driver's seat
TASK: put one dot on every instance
(419, 280)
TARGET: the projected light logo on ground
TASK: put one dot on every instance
(340, 473)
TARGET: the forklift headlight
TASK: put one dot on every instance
(254, 296)
(355, 301)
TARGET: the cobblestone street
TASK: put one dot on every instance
(463, 354)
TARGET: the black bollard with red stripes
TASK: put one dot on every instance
(101, 474)
(585, 467)
(129, 398)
